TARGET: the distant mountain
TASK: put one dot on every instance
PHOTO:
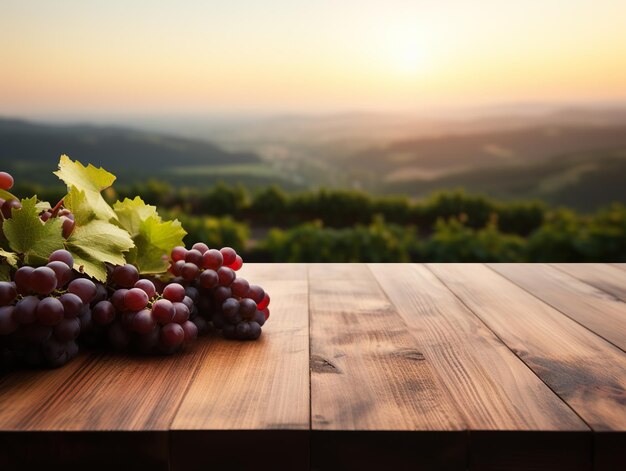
(575, 165)
(33, 150)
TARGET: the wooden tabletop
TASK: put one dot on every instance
(381, 366)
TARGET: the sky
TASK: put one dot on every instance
(152, 56)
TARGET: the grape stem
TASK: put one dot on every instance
(56, 208)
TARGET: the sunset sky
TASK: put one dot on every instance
(108, 56)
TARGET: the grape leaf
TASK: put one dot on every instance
(9, 257)
(78, 203)
(7, 260)
(91, 181)
(5, 195)
(95, 243)
(29, 235)
(154, 238)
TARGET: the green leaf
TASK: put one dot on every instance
(29, 235)
(153, 237)
(91, 181)
(98, 242)
(77, 202)
(5, 195)
(43, 206)
(9, 257)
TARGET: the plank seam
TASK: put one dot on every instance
(506, 345)
(546, 302)
(593, 285)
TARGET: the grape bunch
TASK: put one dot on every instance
(233, 306)
(47, 310)
(43, 311)
(143, 315)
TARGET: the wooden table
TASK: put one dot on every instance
(390, 366)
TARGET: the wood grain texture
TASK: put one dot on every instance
(582, 368)
(595, 309)
(600, 275)
(256, 385)
(120, 392)
(494, 389)
(245, 387)
(24, 393)
(369, 374)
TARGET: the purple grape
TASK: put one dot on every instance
(226, 276)
(125, 276)
(103, 313)
(144, 322)
(212, 259)
(189, 271)
(174, 293)
(72, 304)
(247, 308)
(147, 286)
(163, 311)
(8, 325)
(208, 279)
(101, 294)
(50, 311)
(118, 299)
(221, 294)
(194, 256)
(62, 271)
(66, 330)
(83, 288)
(67, 226)
(172, 336)
(22, 279)
(8, 293)
(26, 310)
(256, 293)
(182, 313)
(229, 255)
(178, 253)
(62, 255)
(259, 318)
(43, 280)
(190, 332)
(136, 299)
(240, 287)
(255, 331)
(200, 247)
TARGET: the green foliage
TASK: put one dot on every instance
(216, 232)
(30, 236)
(378, 242)
(153, 238)
(453, 241)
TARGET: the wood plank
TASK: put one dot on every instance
(595, 309)
(494, 389)
(600, 275)
(24, 392)
(621, 266)
(244, 389)
(581, 367)
(368, 374)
